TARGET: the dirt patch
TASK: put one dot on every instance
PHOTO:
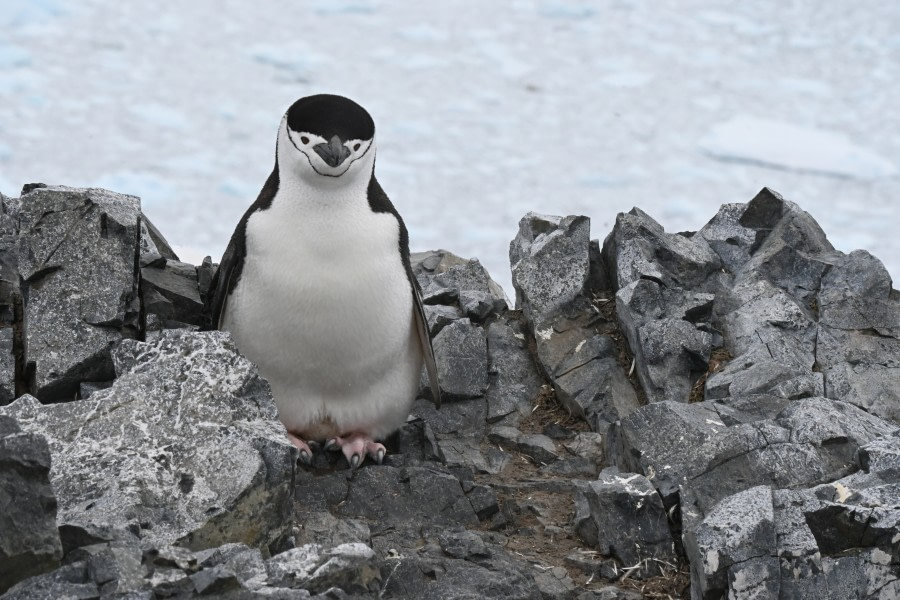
(539, 510)
(547, 411)
(674, 585)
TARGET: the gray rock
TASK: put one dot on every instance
(185, 447)
(476, 305)
(461, 355)
(7, 356)
(463, 544)
(687, 448)
(732, 550)
(153, 241)
(729, 239)
(29, 540)
(670, 353)
(115, 567)
(514, 379)
(773, 338)
(448, 279)
(10, 298)
(536, 445)
(639, 248)
(622, 516)
(782, 228)
(172, 293)
(468, 452)
(415, 444)
(585, 374)
(350, 567)
(550, 261)
(836, 540)
(598, 391)
(483, 500)
(389, 498)
(610, 593)
(462, 418)
(587, 444)
(86, 388)
(69, 581)
(216, 580)
(882, 454)
(495, 576)
(856, 294)
(167, 581)
(323, 528)
(439, 316)
(554, 583)
(858, 343)
(572, 468)
(244, 562)
(77, 257)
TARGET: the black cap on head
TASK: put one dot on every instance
(329, 115)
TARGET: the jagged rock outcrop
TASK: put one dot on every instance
(148, 457)
(76, 261)
(551, 264)
(622, 516)
(742, 381)
(805, 381)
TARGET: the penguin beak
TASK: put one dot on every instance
(333, 153)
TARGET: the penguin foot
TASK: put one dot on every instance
(305, 451)
(356, 446)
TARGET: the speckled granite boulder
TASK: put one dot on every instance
(77, 259)
(184, 447)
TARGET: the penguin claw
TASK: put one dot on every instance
(304, 448)
(356, 447)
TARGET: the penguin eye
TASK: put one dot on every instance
(304, 139)
(356, 146)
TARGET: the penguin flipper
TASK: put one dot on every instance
(222, 285)
(427, 349)
(232, 264)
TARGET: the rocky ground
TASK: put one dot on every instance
(694, 415)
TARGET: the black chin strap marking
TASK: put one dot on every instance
(309, 160)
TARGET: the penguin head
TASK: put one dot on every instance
(326, 140)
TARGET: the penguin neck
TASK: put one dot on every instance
(325, 197)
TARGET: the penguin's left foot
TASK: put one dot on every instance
(305, 451)
(355, 447)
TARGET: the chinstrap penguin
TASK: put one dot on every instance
(316, 287)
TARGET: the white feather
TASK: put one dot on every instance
(323, 305)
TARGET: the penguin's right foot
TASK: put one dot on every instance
(355, 447)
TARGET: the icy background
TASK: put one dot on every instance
(484, 110)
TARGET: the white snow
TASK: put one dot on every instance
(784, 145)
(484, 111)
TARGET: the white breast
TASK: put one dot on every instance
(324, 308)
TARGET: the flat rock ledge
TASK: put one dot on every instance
(694, 415)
